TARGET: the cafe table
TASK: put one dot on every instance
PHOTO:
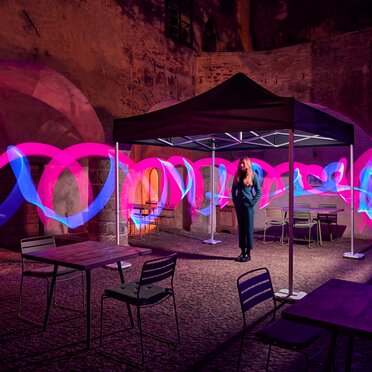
(340, 306)
(84, 256)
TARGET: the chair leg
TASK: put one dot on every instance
(54, 292)
(141, 336)
(60, 305)
(176, 317)
(82, 291)
(330, 232)
(317, 234)
(130, 315)
(320, 233)
(268, 358)
(20, 299)
(282, 237)
(101, 328)
(264, 237)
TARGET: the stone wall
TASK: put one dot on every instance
(118, 59)
(114, 52)
(335, 72)
(280, 23)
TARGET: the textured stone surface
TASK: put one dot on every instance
(208, 308)
(279, 23)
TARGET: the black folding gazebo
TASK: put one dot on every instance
(239, 114)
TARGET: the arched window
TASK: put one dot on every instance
(209, 37)
(153, 186)
(178, 21)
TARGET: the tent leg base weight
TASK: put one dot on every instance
(114, 266)
(284, 295)
(357, 256)
(211, 241)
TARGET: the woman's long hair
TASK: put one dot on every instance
(246, 177)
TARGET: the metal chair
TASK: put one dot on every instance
(256, 292)
(154, 286)
(43, 271)
(302, 220)
(145, 211)
(328, 218)
(161, 214)
(274, 217)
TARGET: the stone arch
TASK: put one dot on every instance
(37, 104)
(53, 110)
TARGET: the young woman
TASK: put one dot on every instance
(246, 191)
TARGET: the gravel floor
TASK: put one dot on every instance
(208, 306)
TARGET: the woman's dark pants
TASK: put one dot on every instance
(245, 216)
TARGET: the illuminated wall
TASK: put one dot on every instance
(170, 186)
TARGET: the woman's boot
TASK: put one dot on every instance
(240, 258)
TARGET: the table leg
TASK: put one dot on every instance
(50, 297)
(331, 353)
(88, 308)
(349, 356)
(120, 269)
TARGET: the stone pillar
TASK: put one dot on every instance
(201, 224)
(102, 227)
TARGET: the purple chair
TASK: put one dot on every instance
(256, 291)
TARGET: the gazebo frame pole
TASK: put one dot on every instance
(290, 212)
(289, 294)
(212, 214)
(351, 254)
(352, 198)
(117, 198)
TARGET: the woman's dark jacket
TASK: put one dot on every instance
(246, 195)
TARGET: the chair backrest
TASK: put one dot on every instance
(157, 270)
(36, 243)
(327, 206)
(254, 288)
(332, 217)
(273, 214)
(301, 216)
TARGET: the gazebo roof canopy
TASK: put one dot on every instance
(235, 115)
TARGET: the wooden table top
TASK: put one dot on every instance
(86, 255)
(338, 305)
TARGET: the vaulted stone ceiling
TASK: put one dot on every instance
(38, 104)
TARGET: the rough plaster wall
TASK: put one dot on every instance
(335, 72)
